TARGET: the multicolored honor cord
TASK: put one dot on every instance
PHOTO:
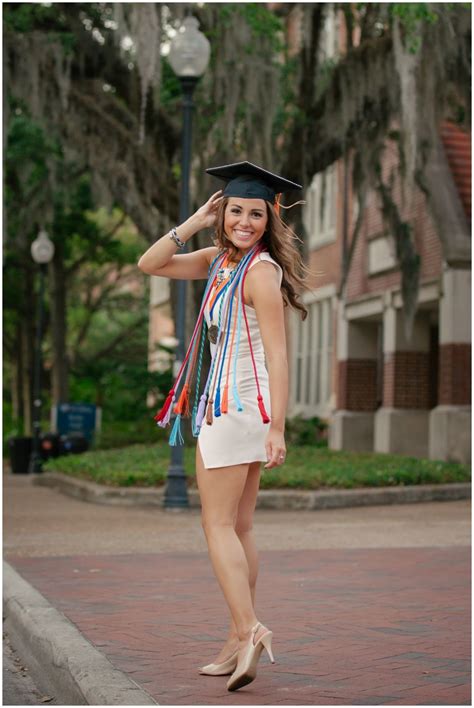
(191, 366)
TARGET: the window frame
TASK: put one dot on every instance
(322, 227)
(313, 356)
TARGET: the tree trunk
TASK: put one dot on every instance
(60, 368)
(26, 376)
(16, 379)
(27, 348)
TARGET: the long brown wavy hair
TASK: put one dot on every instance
(281, 243)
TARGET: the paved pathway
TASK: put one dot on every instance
(365, 623)
(39, 521)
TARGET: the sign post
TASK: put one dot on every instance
(84, 418)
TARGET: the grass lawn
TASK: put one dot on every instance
(306, 467)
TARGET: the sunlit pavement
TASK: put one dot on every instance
(368, 622)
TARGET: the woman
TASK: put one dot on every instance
(253, 272)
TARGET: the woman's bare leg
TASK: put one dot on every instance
(221, 490)
(244, 530)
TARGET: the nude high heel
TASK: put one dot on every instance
(223, 669)
(246, 670)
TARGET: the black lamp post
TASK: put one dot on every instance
(42, 251)
(188, 56)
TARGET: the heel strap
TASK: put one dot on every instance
(255, 629)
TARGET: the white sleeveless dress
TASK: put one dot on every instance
(238, 437)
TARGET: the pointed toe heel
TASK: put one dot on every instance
(224, 669)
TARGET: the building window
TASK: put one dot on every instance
(313, 358)
(320, 209)
(381, 255)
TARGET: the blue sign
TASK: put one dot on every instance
(76, 418)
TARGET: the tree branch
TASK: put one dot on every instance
(119, 337)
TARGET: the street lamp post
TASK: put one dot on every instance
(188, 56)
(42, 251)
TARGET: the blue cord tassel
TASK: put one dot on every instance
(175, 437)
(217, 404)
(195, 428)
(237, 400)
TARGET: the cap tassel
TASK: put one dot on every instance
(277, 203)
(290, 206)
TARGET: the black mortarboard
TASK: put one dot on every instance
(251, 182)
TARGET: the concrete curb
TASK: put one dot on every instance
(60, 659)
(267, 498)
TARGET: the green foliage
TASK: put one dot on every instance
(26, 16)
(226, 13)
(11, 427)
(412, 16)
(306, 467)
(28, 156)
(73, 229)
(325, 73)
(288, 110)
(306, 431)
(170, 86)
(93, 250)
(28, 143)
(123, 433)
(118, 380)
(263, 23)
(141, 465)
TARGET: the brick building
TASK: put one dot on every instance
(351, 361)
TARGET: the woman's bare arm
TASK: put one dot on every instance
(161, 258)
(263, 289)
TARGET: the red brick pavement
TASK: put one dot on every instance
(351, 627)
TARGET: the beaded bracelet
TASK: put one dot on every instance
(174, 237)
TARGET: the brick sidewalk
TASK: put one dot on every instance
(351, 627)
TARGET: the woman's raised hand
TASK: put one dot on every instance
(207, 213)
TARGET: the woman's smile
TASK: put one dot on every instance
(245, 221)
(242, 234)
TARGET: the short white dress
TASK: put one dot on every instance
(238, 437)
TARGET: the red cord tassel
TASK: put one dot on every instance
(225, 400)
(182, 406)
(161, 413)
(263, 412)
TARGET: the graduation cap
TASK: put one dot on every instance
(249, 181)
